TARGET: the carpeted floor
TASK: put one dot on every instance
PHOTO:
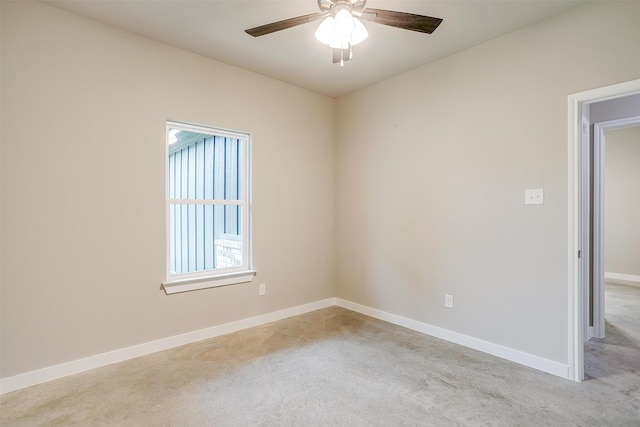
(334, 367)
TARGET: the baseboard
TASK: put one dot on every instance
(81, 365)
(507, 353)
(28, 379)
(620, 276)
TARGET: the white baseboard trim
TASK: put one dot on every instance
(620, 276)
(28, 379)
(507, 353)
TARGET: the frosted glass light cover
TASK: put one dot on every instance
(343, 24)
(324, 33)
(360, 33)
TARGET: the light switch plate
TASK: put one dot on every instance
(448, 301)
(534, 196)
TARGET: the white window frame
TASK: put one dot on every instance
(183, 282)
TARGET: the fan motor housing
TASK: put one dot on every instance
(351, 5)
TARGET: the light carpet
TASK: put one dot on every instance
(331, 367)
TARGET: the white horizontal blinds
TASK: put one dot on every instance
(205, 202)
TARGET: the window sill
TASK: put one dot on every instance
(186, 285)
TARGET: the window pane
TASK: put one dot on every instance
(204, 237)
(203, 166)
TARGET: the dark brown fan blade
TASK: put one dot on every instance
(282, 25)
(406, 21)
(341, 55)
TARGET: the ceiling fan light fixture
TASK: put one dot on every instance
(342, 31)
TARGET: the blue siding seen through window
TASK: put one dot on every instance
(204, 235)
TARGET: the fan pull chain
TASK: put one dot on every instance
(342, 55)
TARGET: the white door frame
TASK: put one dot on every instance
(578, 224)
(599, 147)
(585, 203)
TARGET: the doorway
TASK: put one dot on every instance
(579, 220)
(619, 264)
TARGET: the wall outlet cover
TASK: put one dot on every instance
(534, 196)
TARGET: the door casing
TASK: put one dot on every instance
(578, 219)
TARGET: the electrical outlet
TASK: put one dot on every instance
(534, 196)
(448, 301)
(262, 289)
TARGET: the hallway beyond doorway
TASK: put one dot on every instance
(618, 354)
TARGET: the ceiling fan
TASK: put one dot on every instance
(341, 28)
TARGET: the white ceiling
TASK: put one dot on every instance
(215, 28)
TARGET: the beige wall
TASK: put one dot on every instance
(622, 201)
(83, 224)
(433, 164)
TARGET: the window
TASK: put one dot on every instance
(208, 208)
